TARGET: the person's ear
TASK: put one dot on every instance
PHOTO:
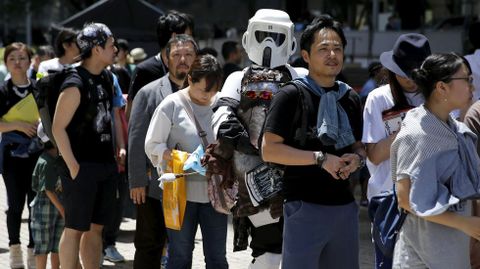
(442, 88)
(305, 56)
(189, 79)
(96, 50)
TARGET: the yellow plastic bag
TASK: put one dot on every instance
(175, 193)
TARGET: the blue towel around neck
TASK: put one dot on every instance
(333, 126)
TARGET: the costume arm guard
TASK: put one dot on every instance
(231, 131)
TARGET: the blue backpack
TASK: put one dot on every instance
(387, 219)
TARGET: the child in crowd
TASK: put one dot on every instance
(47, 211)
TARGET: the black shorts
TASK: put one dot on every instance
(90, 197)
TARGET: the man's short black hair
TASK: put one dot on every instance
(122, 44)
(45, 50)
(208, 50)
(66, 35)
(229, 47)
(172, 22)
(319, 23)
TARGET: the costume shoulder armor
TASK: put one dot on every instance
(231, 87)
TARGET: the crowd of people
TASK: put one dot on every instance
(412, 130)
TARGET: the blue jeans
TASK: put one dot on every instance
(319, 236)
(214, 233)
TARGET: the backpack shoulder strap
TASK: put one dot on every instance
(305, 104)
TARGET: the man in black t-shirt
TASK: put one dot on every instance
(153, 68)
(320, 214)
(82, 127)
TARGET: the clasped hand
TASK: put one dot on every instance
(341, 167)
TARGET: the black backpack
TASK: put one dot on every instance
(47, 90)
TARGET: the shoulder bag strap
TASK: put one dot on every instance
(203, 134)
(191, 115)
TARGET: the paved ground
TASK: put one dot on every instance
(237, 260)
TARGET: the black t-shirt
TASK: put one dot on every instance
(90, 130)
(8, 97)
(311, 183)
(174, 86)
(123, 77)
(146, 72)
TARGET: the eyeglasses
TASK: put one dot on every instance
(264, 95)
(468, 79)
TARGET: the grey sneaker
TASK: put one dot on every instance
(112, 254)
(16, 256)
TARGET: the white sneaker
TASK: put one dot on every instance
(112, 254)
(16, 256)
(31, 263)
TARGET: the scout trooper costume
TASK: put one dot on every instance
(269, 43)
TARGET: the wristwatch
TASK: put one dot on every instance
(319, 158)
(361, 164)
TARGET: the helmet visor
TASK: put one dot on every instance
(278, 38)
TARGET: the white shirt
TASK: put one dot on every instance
(374, 130)
(474, 61)
(52, 64)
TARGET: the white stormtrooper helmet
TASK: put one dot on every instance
(269, 39)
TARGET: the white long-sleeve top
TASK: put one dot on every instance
(172, 128)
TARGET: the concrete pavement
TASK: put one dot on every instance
(237, 260)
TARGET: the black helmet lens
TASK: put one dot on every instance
(278, 38)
